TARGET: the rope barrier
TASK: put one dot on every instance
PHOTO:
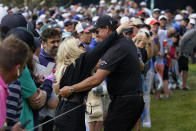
(55, 118)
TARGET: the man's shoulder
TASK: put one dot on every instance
(123, 42)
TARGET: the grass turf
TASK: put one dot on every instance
(177, 113)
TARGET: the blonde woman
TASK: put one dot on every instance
(73, 66)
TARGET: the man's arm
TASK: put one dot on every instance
(37, 100)
(86, 84)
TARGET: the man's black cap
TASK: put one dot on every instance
(14, 20)
(24, 35)
(104, 21)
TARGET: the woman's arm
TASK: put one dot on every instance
(93, 56)
(86, 84)
(37, 100)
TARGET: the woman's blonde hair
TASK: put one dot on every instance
(68, 52)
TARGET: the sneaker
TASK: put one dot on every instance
(146, 124)
(177, 88)
(186, 88)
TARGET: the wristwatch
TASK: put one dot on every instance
(71, 89)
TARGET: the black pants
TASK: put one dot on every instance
(123, 113)
(72, 121)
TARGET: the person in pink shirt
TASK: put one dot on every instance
(13, 57)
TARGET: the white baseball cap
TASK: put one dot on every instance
(124, 19)
(192, 21)
(113, 1)
(143, 3)
(178, 17)
(162, 17)
(82, 27)
(192, 16)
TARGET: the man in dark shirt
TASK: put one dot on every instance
(120, 65)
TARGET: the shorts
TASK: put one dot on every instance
(160, 69)
(166, 73)
(183, 63)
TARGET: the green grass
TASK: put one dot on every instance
(179, 112)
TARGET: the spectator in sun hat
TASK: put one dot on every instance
(84, 35)
(156, 13)
(14, 20)
(137, 25)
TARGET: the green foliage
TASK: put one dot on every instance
(34, 3)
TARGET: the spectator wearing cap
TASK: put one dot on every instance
(14, 20)
(178, 18)
(37, 44)
(163, 22)
(128, 32)
(69, 26)
(180, 25)
(13, 58)
(32, 98)
(154, 24)
(164, 38)
(169, 16)
(144, 8)
(156, 13)
(191, 24)
(39, 25)
(142, 15)
(184, 13)
(50, 41)
(116, 59)
(84, 35)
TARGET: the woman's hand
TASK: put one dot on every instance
(124, 26)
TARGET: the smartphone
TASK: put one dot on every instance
(25, 124)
